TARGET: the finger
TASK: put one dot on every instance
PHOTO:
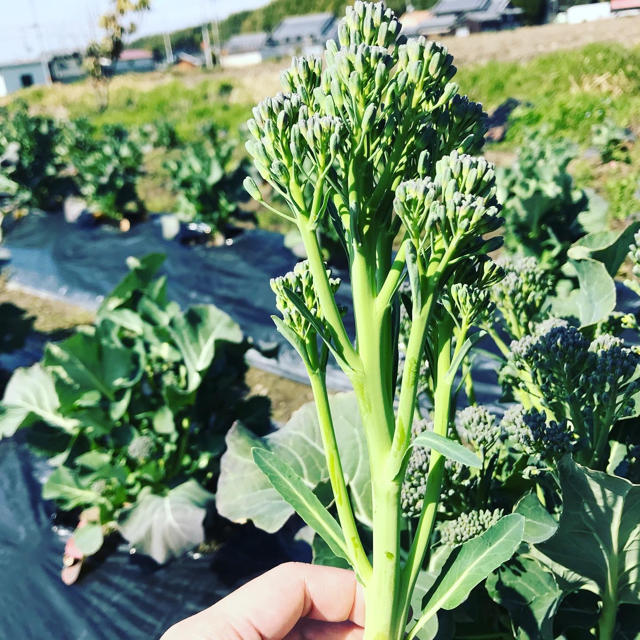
(273, 603)
(308, 629)
(268, 607)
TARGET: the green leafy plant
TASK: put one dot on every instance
(32, 165)
(541, 204)
(131, 413)
(206, 180)
(108, 165)
(158, 134)
(612, 141)
(377, 140)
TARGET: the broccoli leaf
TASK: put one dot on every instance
(31, 396)
(531, 595)
(598, 538)
(293, 489)
(166, 526)
(448, 448)
(469, 564)
(245, 493)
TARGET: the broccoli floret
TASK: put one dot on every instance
(478, 426)
(522, 294)
(467, 526)
(549, 438)
(512, 424)
(140, 448)
(629, 466)
(415, 479)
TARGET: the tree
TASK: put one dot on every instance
(104, 54)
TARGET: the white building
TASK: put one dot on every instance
(22, 74)
(244, 49)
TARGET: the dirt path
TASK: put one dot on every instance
(528, 42)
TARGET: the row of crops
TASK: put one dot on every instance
(144, 415)
(45, 161)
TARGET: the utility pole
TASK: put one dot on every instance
(206, 41)
(44, 63)
(168, 51)
(217, 45)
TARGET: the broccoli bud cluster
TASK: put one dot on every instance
(415, 479)
(549, 438)
(300, 283)
(634, 256)
(467, 525)
(479, 427)
(521, 295)
(583, 386)
(629, 466)
(140, 448)
(512, 424)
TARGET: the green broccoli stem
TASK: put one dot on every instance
(435, 475)
(348, 525)
(609, 610)
(324, 292)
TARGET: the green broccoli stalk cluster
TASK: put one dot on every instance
(375, 141)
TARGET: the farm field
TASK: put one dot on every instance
(461, 292)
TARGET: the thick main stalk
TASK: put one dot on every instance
(375, 400)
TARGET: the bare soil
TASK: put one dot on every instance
(528, 42)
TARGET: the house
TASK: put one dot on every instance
(135, 61)
(588, 12)
(304, 35)
(450, 17)
(425, 23)
(66, 67)
(493, 16)
(295, 35)
(187, 61)
(624, 7)
(22, 74)
(245, 49)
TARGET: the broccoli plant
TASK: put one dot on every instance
(131, 413)
(158, 134)
(378, 140)
(206, 181)
(108, 165)
(612, 141)
(541, 203)
(32, 164)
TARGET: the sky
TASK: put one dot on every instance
(29, 27)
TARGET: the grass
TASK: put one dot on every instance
(566, 92)
(188, 105)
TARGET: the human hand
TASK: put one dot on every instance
(294, 601)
